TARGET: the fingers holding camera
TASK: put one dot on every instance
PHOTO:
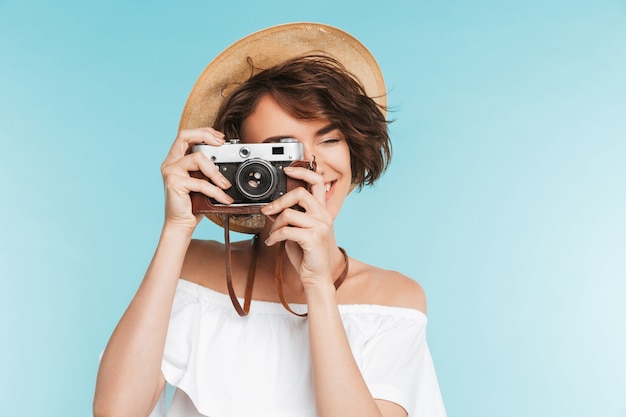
(288, 217)
(199, 162)
(177, 179)
(299, 197)
(312, 201)
(299, 227)
(314, 179)
(309, 241)
(309, 234)
(188, 137)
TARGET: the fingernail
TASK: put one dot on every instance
(225, 182)
(288, 169)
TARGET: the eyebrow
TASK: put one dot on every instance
(324, 130)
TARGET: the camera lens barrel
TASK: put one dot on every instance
(256, 179)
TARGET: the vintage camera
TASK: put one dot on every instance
(255, 171)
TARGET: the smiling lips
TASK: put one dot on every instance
(328, 187)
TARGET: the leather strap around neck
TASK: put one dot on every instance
(242, 311)
(278, 277)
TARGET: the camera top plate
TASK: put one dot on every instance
(233, 151)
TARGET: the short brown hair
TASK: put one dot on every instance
(317, 87)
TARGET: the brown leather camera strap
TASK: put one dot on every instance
(242, 311)
(278, 276)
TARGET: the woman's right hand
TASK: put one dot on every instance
(178, 183)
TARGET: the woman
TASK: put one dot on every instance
(361, 350)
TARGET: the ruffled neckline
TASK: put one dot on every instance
(218, 299)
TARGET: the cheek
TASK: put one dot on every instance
(344, 165)
(341, 159)
(348, 159)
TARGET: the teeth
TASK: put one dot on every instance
(328, 187)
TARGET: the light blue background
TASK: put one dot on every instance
(505, 198)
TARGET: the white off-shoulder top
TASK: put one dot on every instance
(223, 365)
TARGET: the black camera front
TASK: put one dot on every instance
(254, 181)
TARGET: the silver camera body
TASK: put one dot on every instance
(255, 170)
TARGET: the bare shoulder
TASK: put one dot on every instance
(202, 251)
(202, 256)
(368, 284)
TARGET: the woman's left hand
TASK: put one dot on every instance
(309, 236)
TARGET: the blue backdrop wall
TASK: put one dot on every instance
(505, 199)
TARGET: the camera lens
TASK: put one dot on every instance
(256, 179)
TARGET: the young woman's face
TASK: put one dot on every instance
(269, 122)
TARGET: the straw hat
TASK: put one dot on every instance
(265, 49)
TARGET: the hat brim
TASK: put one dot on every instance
(265, 49)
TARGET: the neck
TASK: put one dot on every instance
(266, 263)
